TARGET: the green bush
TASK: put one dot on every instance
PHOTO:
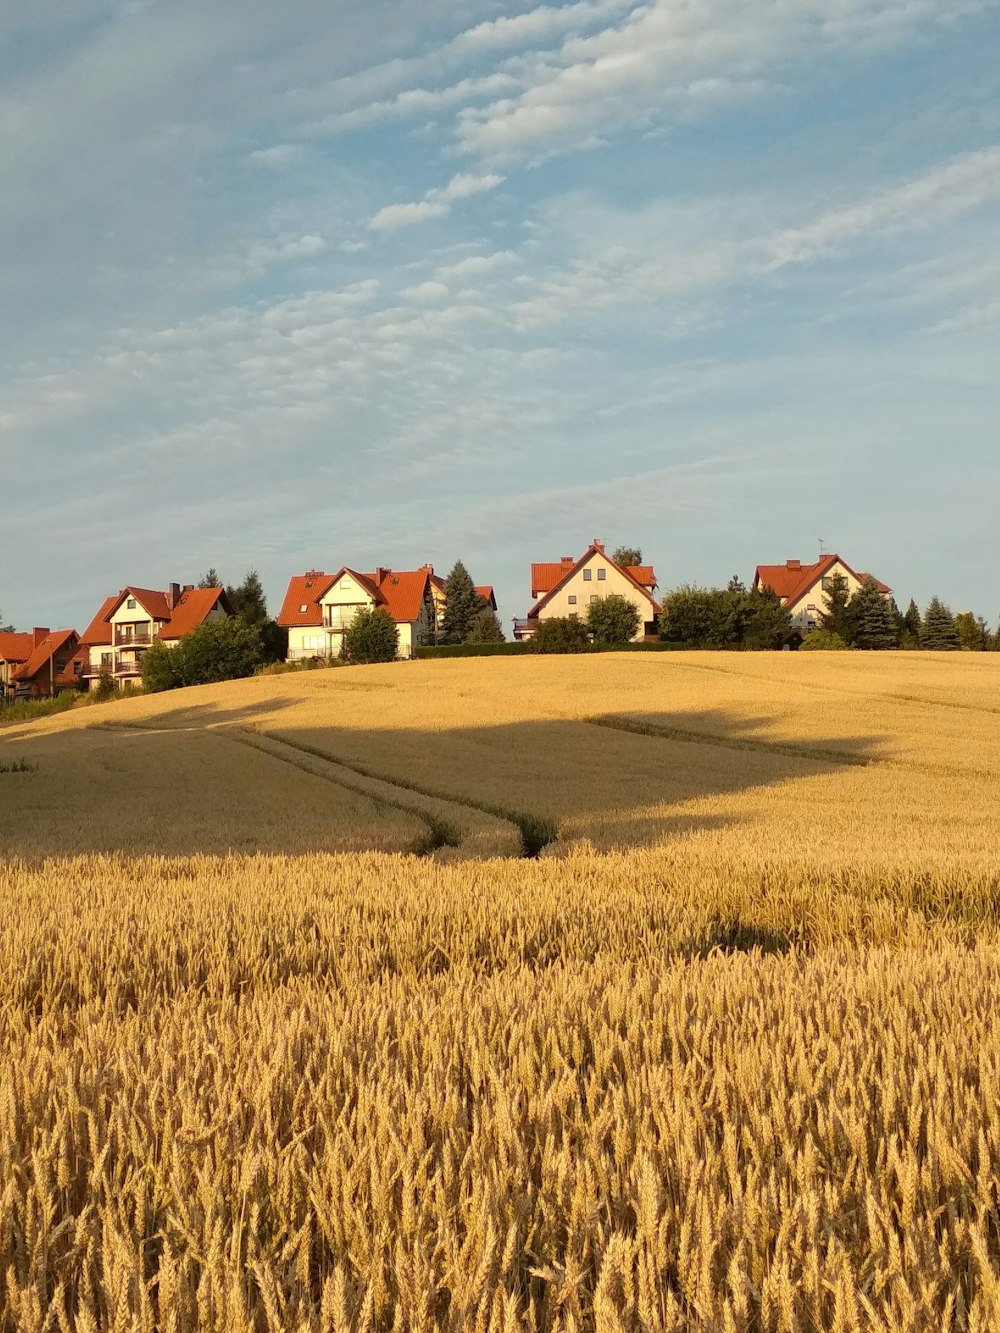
(372, 636)
(218, 650)
(823, 640)
(28, 709)
(560, 634)
(613, 619)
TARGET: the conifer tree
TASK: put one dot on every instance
(872, 621)
(837, 617)
(248, 600)
(939, 633)
(462, 606)
(912, 621)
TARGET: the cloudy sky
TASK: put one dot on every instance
(299, 285)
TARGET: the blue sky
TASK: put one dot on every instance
(301, 285)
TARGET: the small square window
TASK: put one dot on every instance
(588, 574)
(572, 599)
(131, 603)
(594, 597)
(602, 574)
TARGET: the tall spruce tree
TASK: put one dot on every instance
(939, 633)
(837, 616)
(973, 632)
(209, 580)
(462, 606)
(912, 625)
(871, 618)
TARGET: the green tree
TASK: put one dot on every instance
(209, 580)
(736, 584)
(939, 633)
(973, 632)
(105, 688)
(559, 634)
(159, 668)
(217, 650)
(837, 616)
(911, 627)
(486, 628)
(248, 600)
(462, 606)
(613, 619)
(5, 629)
(701, 617)
(872, 622)
(627, 555)
(762, 621)
(372, 636)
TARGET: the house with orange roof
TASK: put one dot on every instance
(802, 588)
(567, 587)
(52, 665)
(15, 649)
(318, 607)
(125, 626)
(439, 593)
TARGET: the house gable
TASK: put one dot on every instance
(593, 576)
(802, 587)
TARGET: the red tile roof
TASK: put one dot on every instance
(193, 609)
(152, 602)
(304, 590)
(403, 591)
(487, 594)
(15, 647)
(98, 632)
(48, 648)
(641, 576)
(792, 580)
(400, 591)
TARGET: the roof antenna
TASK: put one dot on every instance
(822, 548)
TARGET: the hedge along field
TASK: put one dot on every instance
(702, 1082)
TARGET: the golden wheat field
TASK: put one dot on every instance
(617, 993)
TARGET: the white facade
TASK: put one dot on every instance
(596, 577)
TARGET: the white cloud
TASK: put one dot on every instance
(427, 291)
(435, 203)
(278, 155)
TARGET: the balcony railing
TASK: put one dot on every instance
(124, 638)
(524, 628)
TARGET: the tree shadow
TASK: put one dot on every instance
(177, 784)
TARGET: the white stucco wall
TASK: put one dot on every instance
(806, 610)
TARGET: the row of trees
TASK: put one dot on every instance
(870, 620)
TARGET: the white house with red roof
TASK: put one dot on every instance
(567, 587)
(802, 588)
(318, 607)
(127, 624)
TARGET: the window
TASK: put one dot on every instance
(572, 599)
(594, 597)
(131, 604)
(588, 574)
(303, 608)
(602, 574)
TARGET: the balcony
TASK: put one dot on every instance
(126, 636)
(523, 629)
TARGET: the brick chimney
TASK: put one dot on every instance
(39, 634)
(381, 574)
(793, 564)
(598, 544)
(173, 595)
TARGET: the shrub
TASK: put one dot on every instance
(372, 636)
(560, 634)
(105, 685)
(613, 619)
(823, 640)
(218, 650)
